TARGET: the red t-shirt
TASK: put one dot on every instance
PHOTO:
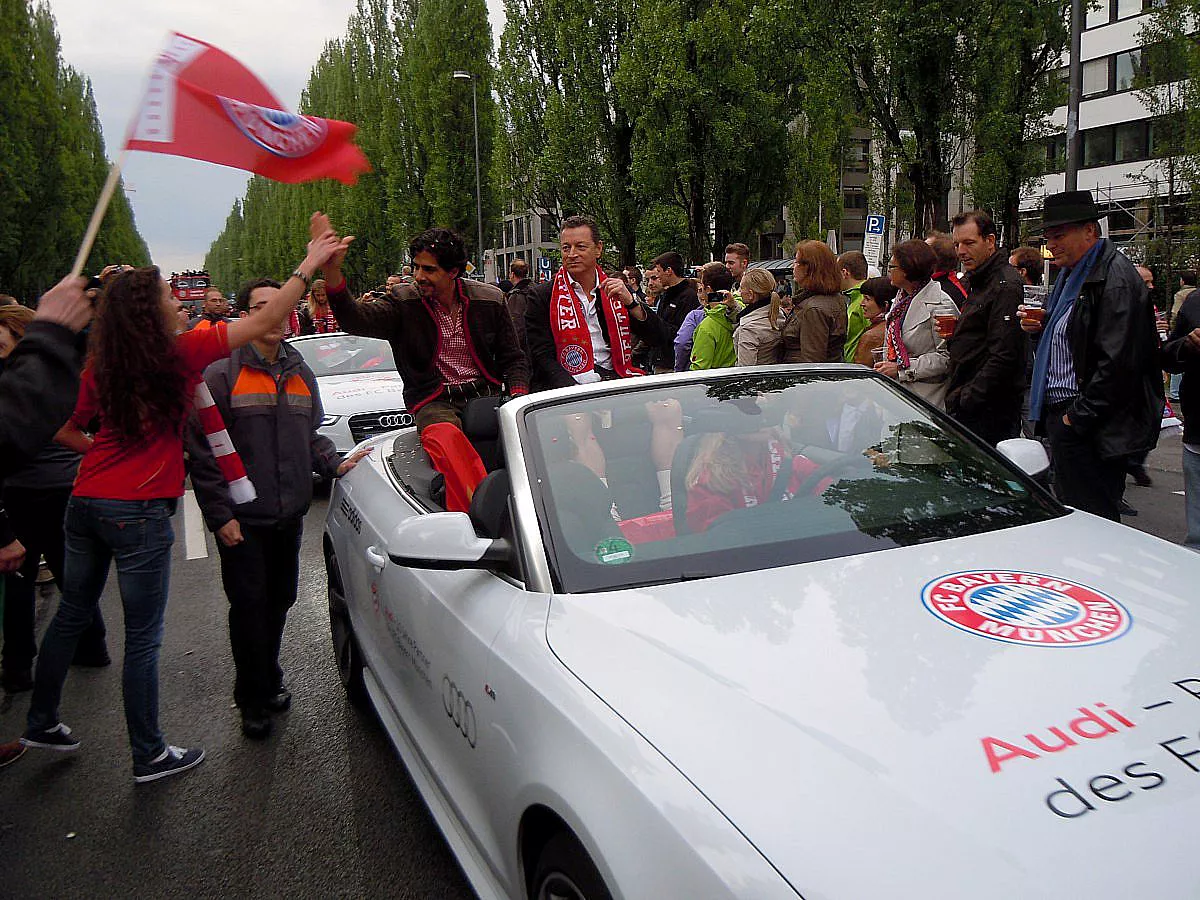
(150, 468)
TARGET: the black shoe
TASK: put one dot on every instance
(57, 738)
(14, 681)
(1126, 509)
(1140, 476)
(255, 723)
(92, 657)
(171, 761)
(280, 702)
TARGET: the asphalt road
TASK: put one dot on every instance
(322, 808)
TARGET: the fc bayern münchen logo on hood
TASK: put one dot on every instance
(279, 132)
(1026, 608)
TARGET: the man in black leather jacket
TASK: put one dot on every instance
(988, 349)
(1100, 398)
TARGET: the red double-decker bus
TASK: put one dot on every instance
(189, 287)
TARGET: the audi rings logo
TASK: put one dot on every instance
(459, 710)
(395, 420)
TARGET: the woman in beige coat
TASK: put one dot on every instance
(915, 354)
(756, 337)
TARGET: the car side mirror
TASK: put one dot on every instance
(1028, 456)
(446, 541)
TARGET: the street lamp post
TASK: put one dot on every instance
(467, 76)
(1074, 95)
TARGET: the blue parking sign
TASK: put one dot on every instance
(875, 224)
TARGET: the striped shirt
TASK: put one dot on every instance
(454, 362)
(1061, 383)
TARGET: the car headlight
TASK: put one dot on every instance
(330, 420)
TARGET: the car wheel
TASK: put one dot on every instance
(345, 646)
(565, 872)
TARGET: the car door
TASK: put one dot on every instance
(447, 623)
(365, 507)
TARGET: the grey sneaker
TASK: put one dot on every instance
(170, 762)
(56, 738)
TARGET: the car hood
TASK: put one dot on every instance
(345, 395)
(868, 747)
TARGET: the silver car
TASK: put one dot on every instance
(361, 392)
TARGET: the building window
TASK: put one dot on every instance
(549, 229)
(858, 155)
(1098, 147)
(1095, 76)
(854, 198)
(1129, 66)
(1132, 141)
(1056, 154)
(1099, 14)
(1127, 9)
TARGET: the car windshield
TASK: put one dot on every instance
(761, 471)
(344, 354)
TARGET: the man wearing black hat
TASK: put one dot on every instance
(1097, 390)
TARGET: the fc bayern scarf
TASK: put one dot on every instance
(1058, 306)
(241, 489)
(572, 339)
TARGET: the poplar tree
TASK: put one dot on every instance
(52, 161)
(568, 133)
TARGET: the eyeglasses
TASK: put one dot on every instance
(894, 268)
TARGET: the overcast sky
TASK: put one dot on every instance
(181, 204)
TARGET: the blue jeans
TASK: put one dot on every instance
(1191, 500)
(137, 534)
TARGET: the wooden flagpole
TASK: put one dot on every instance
(106, 193)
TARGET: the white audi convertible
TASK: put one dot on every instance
(851, 653)
(362, 394)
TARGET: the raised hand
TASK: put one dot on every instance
(323, 248)
(318, 225)
(66, 304)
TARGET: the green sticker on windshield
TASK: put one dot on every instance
(614, 551)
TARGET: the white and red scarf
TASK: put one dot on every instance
(573, 340)
(241, 489)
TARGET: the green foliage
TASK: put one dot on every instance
(1168, 85)
(567, 133)
(934, 77)
(52, 161)
(390, 75)
(663, 227)
(676, 124)
(713, 108)
(1015, 52)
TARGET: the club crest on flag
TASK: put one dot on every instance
(275, 130)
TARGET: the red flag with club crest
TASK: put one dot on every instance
(204, 104)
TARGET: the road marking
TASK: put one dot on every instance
(193, 528)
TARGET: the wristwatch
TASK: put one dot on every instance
(298, 274)
(906, 375)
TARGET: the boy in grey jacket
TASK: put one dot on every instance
(267, 396)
